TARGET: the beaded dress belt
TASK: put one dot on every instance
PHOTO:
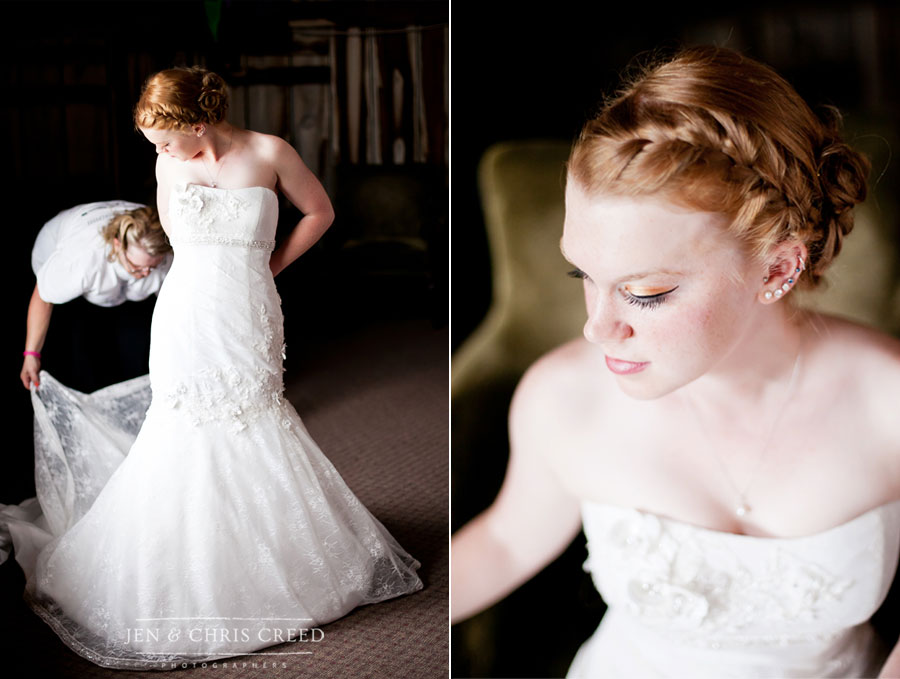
(200, 239)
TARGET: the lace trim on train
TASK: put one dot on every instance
(225, 394)
(698, 589)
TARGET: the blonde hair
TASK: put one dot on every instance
(178, 98)
(137, 227)
(715, 131)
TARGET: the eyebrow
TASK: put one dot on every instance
(628, 277)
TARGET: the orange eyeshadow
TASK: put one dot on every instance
(641, 291)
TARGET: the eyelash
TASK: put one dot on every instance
(648, 302)
(642, 301)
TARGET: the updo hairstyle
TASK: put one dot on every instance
(141, 227)
(178, 98)
(715, 131)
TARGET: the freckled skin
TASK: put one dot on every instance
(697, 325)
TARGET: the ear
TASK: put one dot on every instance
(199, 129)
(783, 267)
(117, 244)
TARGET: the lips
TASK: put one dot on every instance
(620, 367)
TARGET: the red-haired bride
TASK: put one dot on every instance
(225, 529)
(734, 461)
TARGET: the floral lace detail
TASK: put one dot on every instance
(271, 342)
(227, 395)
(204, 211)
(698, 589)
(213, 239)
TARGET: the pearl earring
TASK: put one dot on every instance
(778, 292)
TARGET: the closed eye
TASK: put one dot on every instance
(648, 301)
(642, 301)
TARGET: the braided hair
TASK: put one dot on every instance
(715, 131)
(178, 98)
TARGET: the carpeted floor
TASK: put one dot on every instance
(376, 402)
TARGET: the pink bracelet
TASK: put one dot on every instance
(32, 353)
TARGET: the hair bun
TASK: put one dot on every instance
(842, 176)
(843, 173)
(212, 81)
(213, 98)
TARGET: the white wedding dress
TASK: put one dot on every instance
(686, 601)
(223, 529)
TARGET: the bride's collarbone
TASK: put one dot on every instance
(231, 173)
(819, 483)
(238, 181)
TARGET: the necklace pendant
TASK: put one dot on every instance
(742, 509)
(214, 185)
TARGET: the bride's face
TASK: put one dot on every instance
(669, 292)
(180, 145)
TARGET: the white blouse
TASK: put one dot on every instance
(69, 259)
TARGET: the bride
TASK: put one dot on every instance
(732, 460)
(224, 529)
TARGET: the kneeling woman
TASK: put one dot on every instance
(734, 461)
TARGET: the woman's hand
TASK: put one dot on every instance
(31, 369)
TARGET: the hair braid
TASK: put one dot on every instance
(178, 98)
(715, 131)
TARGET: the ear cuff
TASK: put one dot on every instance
(788, 284)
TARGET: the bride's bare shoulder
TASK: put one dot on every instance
(863, 363)
(560, 384)
(852, 347)
(267, 146)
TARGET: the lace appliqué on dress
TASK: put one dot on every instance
(701, 590)
(226, 394)
(203, 212)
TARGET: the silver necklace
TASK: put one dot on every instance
(212, 180)
(742, 506)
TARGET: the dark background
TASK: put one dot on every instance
(540, 74)
(71, 74)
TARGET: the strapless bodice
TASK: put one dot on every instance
(793, 605)
(205, 215)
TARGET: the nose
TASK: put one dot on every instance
(604, 325)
